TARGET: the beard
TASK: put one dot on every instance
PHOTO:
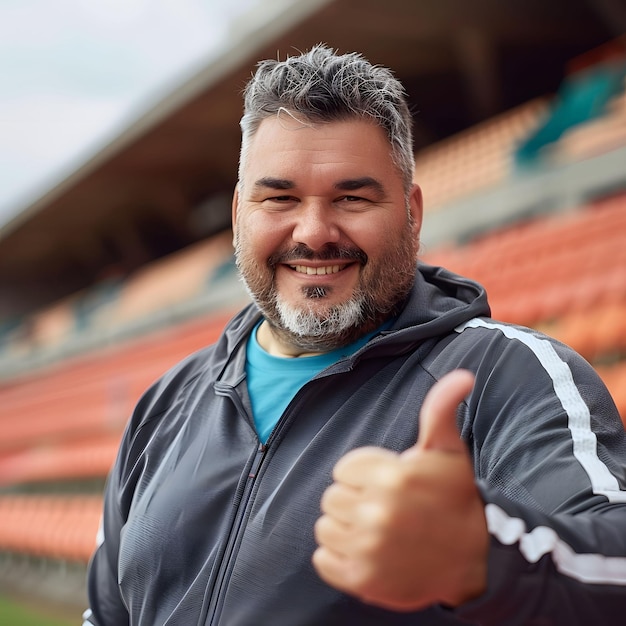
(311, 325)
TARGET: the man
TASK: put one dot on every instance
(279, 477)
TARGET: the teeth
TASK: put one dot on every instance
(319, 271)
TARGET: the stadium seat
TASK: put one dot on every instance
(51, 526)
(167, 282)
(476, 158)
(66, 460)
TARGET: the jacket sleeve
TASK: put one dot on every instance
(106, 603)
(106, 607)
(549, 451)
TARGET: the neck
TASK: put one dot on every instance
(274, 346)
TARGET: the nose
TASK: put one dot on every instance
(316, 225)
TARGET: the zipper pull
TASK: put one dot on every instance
(260, 453)
(245, 483)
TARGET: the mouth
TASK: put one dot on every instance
(323, 270)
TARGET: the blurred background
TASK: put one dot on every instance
(119, 141)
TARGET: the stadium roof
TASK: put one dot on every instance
(166, 180)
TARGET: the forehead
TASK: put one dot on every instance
(284, 146)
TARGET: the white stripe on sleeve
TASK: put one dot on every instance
(579, 419)
(587, 568)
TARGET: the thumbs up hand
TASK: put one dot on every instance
(404, 531)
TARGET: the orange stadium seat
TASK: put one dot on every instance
(476, 158)
(65, 420)
(167, 282)
(593, 333)
(59, 527)
(564, 274)
(551, 266)
(73, 459)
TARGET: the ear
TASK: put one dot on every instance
(416, 206)
(234, 206)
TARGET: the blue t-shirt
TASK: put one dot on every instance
(273, 380)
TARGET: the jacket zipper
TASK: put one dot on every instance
(211, 616)
(240, 502)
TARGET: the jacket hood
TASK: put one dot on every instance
(442, 300)
(438, 302)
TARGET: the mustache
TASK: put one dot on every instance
(330, 252)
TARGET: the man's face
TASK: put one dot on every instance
(325, 239)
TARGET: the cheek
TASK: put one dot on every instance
(261, 236)
(376, 242)
(376, 230)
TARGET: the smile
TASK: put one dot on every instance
(319, 271)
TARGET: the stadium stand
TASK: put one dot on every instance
(162, 284)
(66, 420)
(564, 275)
(479, 157)
(549, 266)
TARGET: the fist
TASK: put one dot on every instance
(404, 531)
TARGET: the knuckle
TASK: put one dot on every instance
(318, 528)
(326, 499)
(376, 514)
(334, 498)
(393, 478)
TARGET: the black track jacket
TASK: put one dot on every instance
(203, 525)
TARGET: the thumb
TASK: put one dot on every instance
(438, 430)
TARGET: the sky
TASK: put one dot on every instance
(73, 72)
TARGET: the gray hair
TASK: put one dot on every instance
(321, 86)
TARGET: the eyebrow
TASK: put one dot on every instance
(348, 184)
(268, 182)
(365, 182)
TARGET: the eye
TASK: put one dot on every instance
(353, 203)
(279, 203)
(280, 199)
